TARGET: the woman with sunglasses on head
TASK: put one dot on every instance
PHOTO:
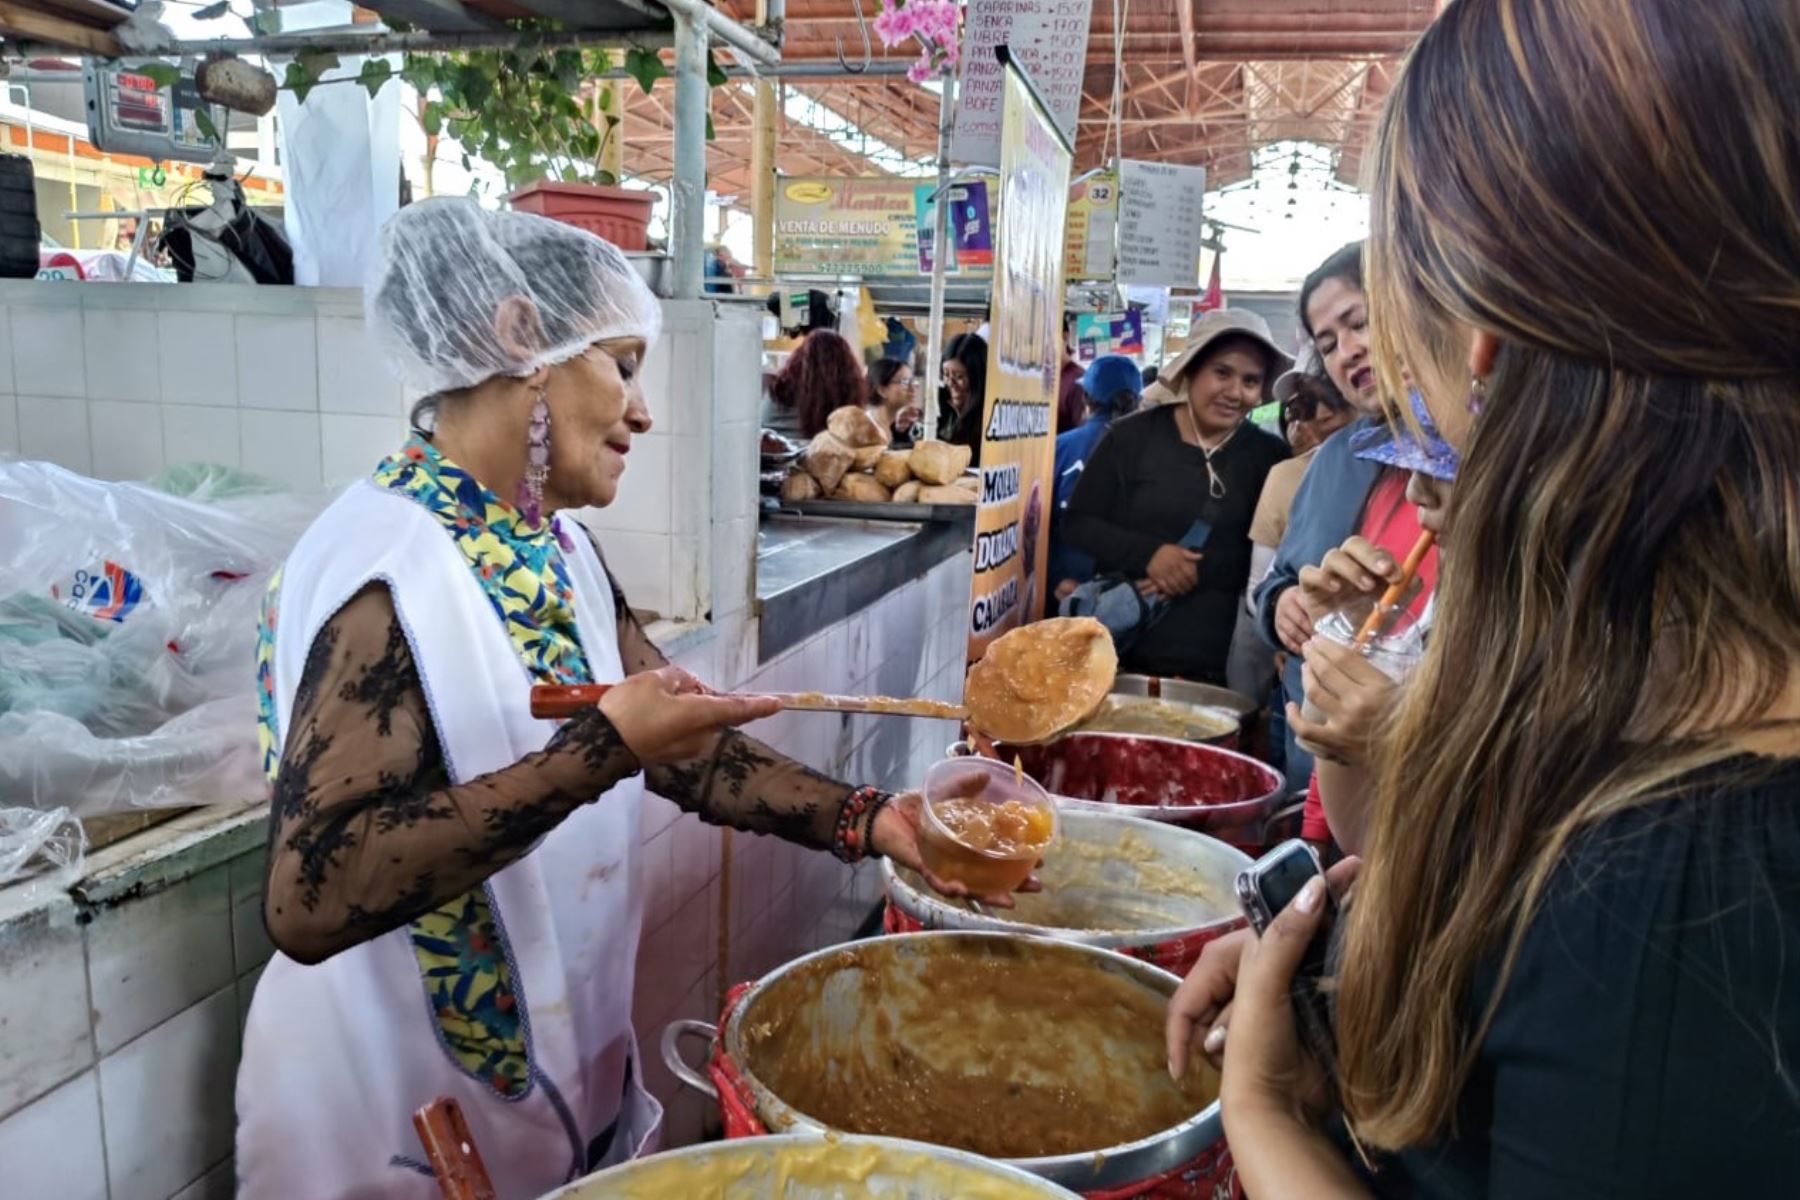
(1340, 496)
(1569, 962)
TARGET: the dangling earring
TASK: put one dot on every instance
(1477, 394)
(537, 462)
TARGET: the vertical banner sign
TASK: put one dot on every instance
(1160, 223)
(1012, 527)
(1088, 234)
(1048, 38)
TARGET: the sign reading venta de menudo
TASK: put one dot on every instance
(872, 227)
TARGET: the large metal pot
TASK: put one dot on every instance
(1152, 890)
(972, 1037)
(806, 1166)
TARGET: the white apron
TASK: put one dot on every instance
(338, 1056)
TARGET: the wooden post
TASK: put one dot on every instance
(767, 116)
(607, 103)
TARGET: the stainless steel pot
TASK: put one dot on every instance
(851, 1005)
(809, 1167)
(1181, 691)
(1114, 881)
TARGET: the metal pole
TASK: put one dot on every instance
(941, 250)
(687, 220)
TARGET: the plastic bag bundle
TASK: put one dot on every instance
(127, 637)
(53, 838)
(466, 294)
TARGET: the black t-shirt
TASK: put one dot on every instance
(1648, 1042)
(1143, 488)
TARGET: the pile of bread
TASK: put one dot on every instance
(851, 461)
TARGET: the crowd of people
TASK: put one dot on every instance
(1560, 381)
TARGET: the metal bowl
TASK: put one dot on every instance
(1181, 691)
(811, 1167)
(1110, 880)
(860, 1008)
(1209, 788)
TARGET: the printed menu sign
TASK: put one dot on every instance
(1048, 38)
(1160, 223)
(1012, 525)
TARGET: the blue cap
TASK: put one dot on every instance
(1399, 445)
(1109, 375)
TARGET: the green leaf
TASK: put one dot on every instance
(645, 66)
(466, 164)
(375, 74)
(433, 120)
(715, 74)
(161, 74)
(606, 98)
(606, 179)
(264, 24)
(317, 62)
(213, 12)
(298, 81)
(204, 122)
(710, 135)
(612, 121)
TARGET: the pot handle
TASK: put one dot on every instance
(672, 1034)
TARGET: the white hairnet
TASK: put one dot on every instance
(448, 267)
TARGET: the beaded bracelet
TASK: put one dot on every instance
(856, 823)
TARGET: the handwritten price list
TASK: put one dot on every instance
(1048, 38)
(1160, 223)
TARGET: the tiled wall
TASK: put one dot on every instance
(121, 1013)
(686, 510)
(119, 381)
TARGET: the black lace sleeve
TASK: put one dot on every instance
(366, 831)
(740, 782)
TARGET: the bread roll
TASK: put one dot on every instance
(908, 492)
(946, 495)
(827, 459)
(854, 427)
(892, 470)
(800, 486)
(868, 456)
(938, 462)
(861, 488)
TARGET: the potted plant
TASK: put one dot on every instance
(544, 120)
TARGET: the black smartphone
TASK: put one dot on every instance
(1264, 888)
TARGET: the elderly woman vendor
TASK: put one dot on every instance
(452, 884)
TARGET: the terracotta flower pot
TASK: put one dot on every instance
(619, 215)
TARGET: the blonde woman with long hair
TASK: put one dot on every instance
(1571, 963)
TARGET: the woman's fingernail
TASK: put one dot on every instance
(1215, 1041)
(1174, 1074)
(1311, 894)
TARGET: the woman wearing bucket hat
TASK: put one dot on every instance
(1569, 964)
(453, 884)
(1189, 473)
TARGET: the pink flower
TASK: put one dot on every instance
(895, 25)
(920, 72)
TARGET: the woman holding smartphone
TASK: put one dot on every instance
(1569, 963)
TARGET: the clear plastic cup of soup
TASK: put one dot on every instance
(1395, 652)
(984, 825)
